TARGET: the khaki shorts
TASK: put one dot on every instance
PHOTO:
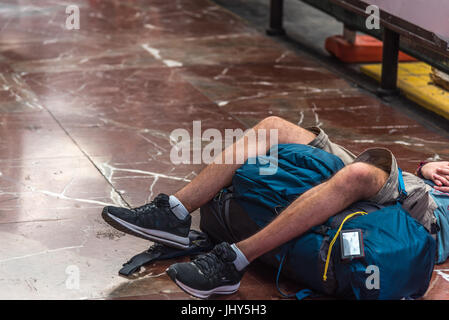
(418, 203)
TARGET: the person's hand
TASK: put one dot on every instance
(438, 172)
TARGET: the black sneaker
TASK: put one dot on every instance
(212, 273)
(154, 221)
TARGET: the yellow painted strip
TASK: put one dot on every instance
(414, 81)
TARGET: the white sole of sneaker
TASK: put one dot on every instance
(155, 235)
(206, 294)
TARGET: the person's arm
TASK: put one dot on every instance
(438, 172)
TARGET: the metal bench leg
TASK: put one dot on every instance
(276, 12)
(389, 63)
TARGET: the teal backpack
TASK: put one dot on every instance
(367, 251)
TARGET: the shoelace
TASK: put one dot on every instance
(211, 262)
(145, 208)
(157, 202)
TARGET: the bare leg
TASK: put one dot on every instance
(216, 176)
(354, 182)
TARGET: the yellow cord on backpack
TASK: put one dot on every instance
(335, 238)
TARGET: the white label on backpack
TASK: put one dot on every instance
(351, 244)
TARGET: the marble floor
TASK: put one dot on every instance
(85, 121)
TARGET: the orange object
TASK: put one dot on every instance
(365, 49)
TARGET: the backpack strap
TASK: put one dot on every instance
(154, 253)
(285, 295)
(199, 243)
(305, 293)
(401, 187)
(227, 215)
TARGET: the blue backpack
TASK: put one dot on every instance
(398, 253)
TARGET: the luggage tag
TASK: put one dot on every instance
(351, 244)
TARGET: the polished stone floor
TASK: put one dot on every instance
(86, 117)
